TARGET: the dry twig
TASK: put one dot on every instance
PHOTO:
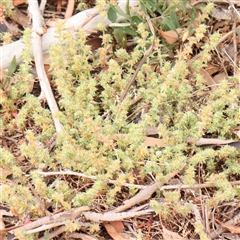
(146, 55)
(37, 31)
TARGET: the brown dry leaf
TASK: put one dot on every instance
(211, 69)
(169, 235)
(4, 173)
(150, 142)
(151, 131)
(219, 77)
(170, 36)
(118, 225)
(95, 43)
(20, 158)
(112, 232)
(208, 79)
(230, 228)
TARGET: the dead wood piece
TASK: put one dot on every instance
(146, 193)
(68, 172)
(235, 2)
(42, 6)
(212, 141)
(195, 186)
(15, 49)
(57, 218)
(236, 16)
(55, 233)
(20, 18)
(114, 216)
(37, 31)
(143, 195)
(45, 227)
(198, 218)
(165, 187)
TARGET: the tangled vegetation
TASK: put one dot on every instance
(106, 121)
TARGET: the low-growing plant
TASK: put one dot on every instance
(104, 135)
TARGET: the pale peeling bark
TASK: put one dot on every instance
(8, 51)
(37, 32)
(40, 45)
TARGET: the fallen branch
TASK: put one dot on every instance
(195, 186)
(113, 216)
(68, 172)
(146, 193)
(219, 1)
(37, 31)
(57, 219)
(75, 22)
(55, 233)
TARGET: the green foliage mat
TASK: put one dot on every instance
(104, 136)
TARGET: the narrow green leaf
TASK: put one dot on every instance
(143, 7)
(119, 11)
(174, 18)
(128, 8)
(183, 4)
(136, 19)
(12, 67)
(119, 35)
(168, 23)
(112, 15)
(129, 31)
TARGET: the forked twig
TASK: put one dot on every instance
(146, 55)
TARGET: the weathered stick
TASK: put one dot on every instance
(37, 32)
(8, 51)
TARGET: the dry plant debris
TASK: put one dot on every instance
(127, 127)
